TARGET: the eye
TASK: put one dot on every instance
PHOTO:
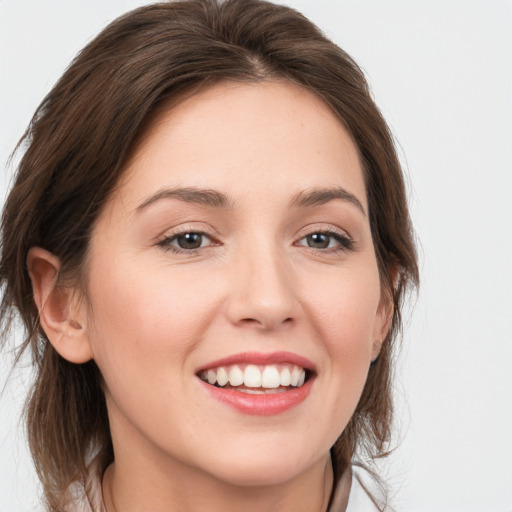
(326, 240)
(186, 241)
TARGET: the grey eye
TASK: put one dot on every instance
(318, 240)
(189, 240)
(326, 240)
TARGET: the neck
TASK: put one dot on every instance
(136, 487)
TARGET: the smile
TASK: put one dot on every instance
(256, 379)
(259, 384)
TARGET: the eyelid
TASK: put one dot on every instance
(323, 228)
(180, 229)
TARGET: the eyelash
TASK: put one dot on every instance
(346, 244)
(166, 243)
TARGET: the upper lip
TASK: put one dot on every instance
(260, 358)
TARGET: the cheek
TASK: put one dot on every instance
(344, 307)
(145, 326)
(146, 321)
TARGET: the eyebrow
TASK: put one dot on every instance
(203, 196)
(216, 199)
(319, 196)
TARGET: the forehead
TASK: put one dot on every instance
(245, 138)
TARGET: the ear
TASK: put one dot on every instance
(383, 320)
(61, 316)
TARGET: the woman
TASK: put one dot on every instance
(208, 242)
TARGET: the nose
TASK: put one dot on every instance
(262, 294)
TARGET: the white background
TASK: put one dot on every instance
(442, 73)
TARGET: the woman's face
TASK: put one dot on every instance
(236, 248)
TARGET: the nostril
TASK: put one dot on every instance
(265, 323)
(249, 321)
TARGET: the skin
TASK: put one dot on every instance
(154, 315)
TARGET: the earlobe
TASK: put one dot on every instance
(61, 316)
(377, 345)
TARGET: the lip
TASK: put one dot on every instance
(262, 404)
(260, 358)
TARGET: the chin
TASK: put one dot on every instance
(266, 475)
(267, 468)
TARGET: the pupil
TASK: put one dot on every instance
(190, 241)
(318, 240)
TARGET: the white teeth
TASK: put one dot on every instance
(285, 377)
(252, 376)
(212, 377)
(236, 376)
(294, 377)
(222, 376)
(270, 377)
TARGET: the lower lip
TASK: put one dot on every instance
(263, 405)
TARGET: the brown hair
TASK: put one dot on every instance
(78, 142)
